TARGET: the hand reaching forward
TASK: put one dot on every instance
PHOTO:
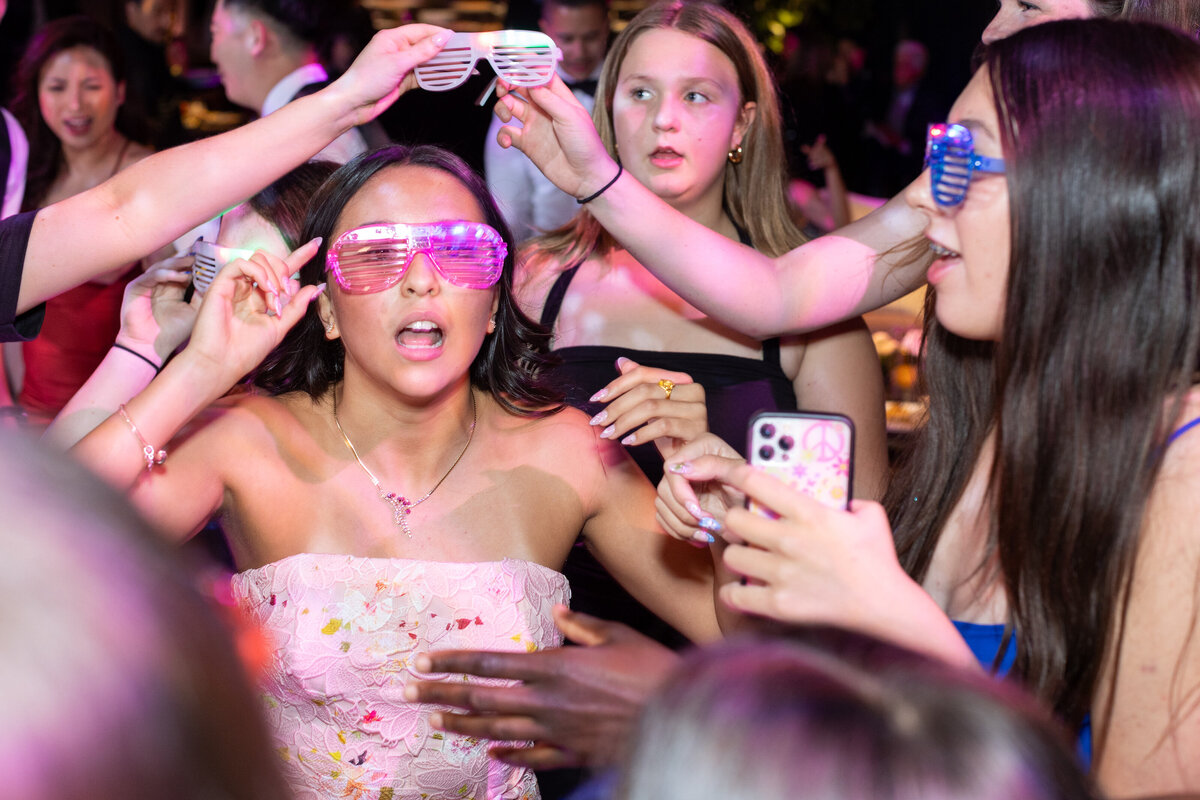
(578, 704)
(247, 310)
(557, 135)
(817, 565)
(639, 398)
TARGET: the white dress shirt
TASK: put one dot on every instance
(341, 149)
(531, 204)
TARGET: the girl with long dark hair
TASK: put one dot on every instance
(402, 483)
(1048, 505)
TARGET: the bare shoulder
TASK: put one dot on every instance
(253, 425)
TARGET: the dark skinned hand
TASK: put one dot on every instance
(577, 704)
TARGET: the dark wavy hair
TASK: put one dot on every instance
(512, 359)
(45, 150)
(1100, 342)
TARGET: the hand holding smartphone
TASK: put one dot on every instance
(813, 452)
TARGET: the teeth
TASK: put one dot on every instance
(424, 326)
(938, 250)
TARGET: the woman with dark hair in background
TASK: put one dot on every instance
(70, 87)
(402, 483)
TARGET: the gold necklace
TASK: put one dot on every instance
(402, 506)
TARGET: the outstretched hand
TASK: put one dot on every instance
(577, 704)
(639, 399)
(247, 310)
(557, 134)
(383, 70)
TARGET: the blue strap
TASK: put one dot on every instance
(1182, 430)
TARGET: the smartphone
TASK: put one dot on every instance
(811, 451)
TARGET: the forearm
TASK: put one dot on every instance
(119, 378)
(113, 451)
(822, 282)
(144, 207)
(839, 200)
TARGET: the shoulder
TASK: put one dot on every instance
(247, 421)
(562, 441)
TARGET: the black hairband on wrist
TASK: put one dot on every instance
(157, 367)
(604, 188)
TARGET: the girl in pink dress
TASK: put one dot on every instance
(404, 483)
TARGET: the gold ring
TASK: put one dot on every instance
(667, 385)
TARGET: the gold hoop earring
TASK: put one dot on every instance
(736, 155)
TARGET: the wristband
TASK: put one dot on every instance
(604, 188)
(157, 367)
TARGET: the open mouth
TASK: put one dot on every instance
(78, 127)
(942, 252)
(421, 335)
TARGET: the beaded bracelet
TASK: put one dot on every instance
(604, 188)
(153, 458)
(157, 367)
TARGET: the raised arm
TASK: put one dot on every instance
(152, 202)
(844, 274)
(246, 312)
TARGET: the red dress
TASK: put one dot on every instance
(81, 325)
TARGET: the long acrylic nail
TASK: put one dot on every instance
(599, 419)
(703, 536)
(711, 524)
(696, 511)
(682, 468)
(608, 432)
(629, 440)
(598, 396)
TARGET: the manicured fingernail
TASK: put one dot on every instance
(696, 511)
(711, 524)
(622, 361)
(599, 419)
(629, 440)
(435, 719)
(703, 536)
(682, 468)
(597, 397)
(608, 432)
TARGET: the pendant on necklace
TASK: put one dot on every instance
(401, 508)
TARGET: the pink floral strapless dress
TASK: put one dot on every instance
(345, 631)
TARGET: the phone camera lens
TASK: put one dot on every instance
(767, 431)
(786, 442)
(766, 452)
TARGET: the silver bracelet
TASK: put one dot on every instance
(154, 458)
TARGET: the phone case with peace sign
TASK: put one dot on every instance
(811, 451)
